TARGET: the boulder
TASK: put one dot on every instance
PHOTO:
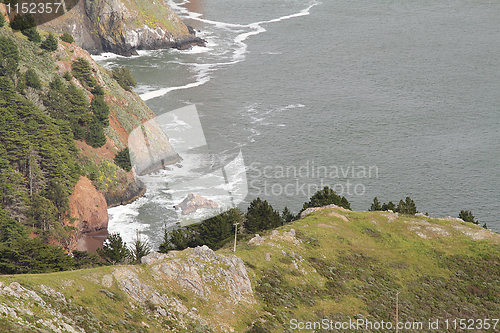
(88, 206)
(193, 202)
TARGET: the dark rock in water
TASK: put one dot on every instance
(193, 202)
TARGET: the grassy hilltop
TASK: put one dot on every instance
(335, 264)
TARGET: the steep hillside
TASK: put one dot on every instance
(124, 26)
(49, 116)
(333, 265)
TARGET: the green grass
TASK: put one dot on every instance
(339, 270)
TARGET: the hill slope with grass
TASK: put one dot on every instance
(332, 265)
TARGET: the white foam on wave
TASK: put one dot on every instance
(122, 220)
(240, 47)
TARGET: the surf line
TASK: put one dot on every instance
(238, 55)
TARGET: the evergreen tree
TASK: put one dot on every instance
(96, 91)
(375, 205)
(407, 207)
(467, 216)
(124, 77)
(23, 22)
(2, 20)
(67, 76)
(287, 216)
(140, 248)
(101, 110)
(261, 216)
(114, 249)
(95, 136)
(9, 57)
(32, 34)
(31, 79)
(326, 197)
(83, 72)
(216, 231)
(122, 159)
(389, 206)
(179, 239)
(50, 43)
(66, 37)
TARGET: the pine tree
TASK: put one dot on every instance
(122, 159)
(32, 34)
(114, 249)
(287, 216)
(326, 197)
(95, 136)
(140, 248)
(32, 79)
(375, 205)
(66, 37)
(83, 72)
(467, 216)
(50, 43)
(261, 216)
(124, 77)
(100, 109)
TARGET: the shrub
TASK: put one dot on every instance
(66, 37)
(9, 56)
(83, 72)
(67, 76)
(50, 43)
(97, 90)
(2, 20)
(122, 159)
(31, 79)
(124, 77)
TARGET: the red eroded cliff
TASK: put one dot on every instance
(88, 206)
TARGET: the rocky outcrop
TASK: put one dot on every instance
(193, 202)
(122, 26)
(88, 206)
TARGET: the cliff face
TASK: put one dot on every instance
(124, 26)
(88, 206)
(127, 112)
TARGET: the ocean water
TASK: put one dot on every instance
(382, 98)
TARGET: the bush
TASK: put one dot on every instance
(31, 79)
(50, 43)
(83, 72)
(66, 37)
(97, 90)
(124, 77)
(2, 20)
(122, 159)
(32, 34)
(67, 76)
